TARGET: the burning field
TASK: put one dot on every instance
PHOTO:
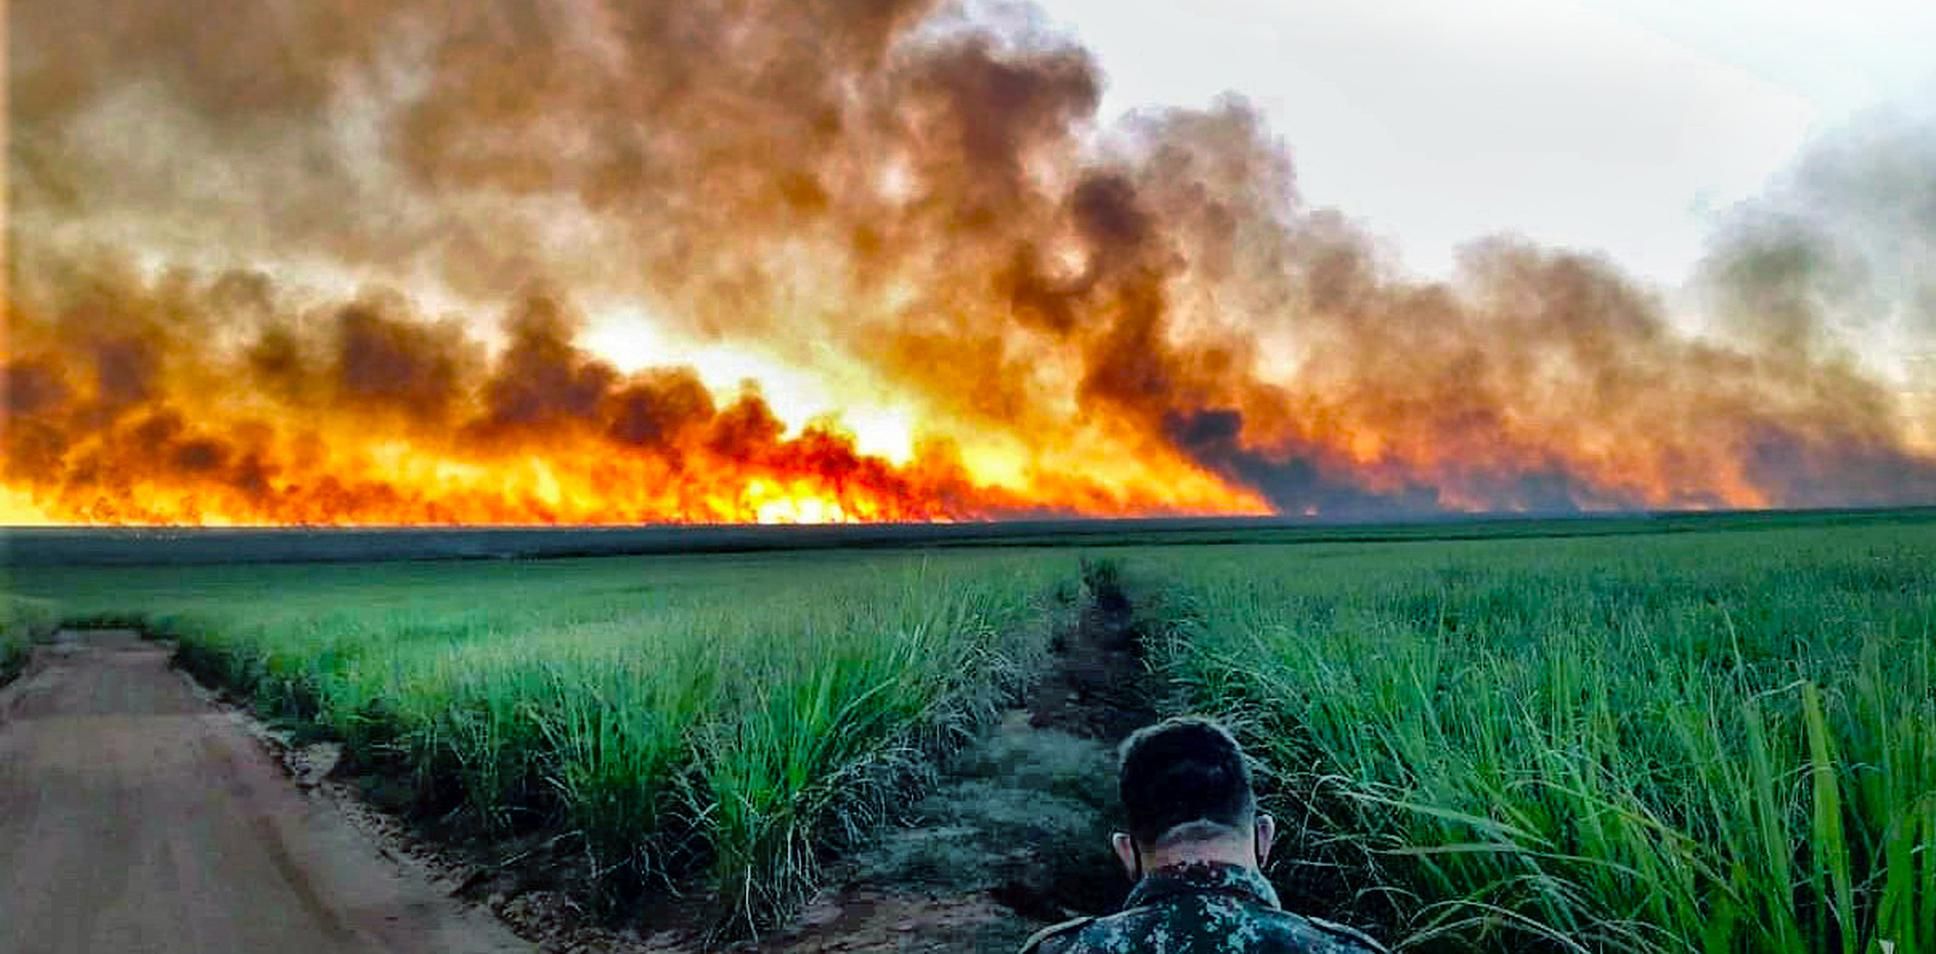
(514, 263)
(601, 263)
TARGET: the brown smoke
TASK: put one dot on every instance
(1140, 319)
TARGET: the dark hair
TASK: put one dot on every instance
(1180, 771)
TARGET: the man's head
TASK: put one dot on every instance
(1186, 792)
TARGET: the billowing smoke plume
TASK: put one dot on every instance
(1842, 248)
(1142, 319)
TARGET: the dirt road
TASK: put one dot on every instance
(136, 816)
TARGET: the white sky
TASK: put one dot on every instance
(1623, 126)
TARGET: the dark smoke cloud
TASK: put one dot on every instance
(1841, 246)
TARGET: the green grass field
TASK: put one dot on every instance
(1649, 742)
(1721, 743)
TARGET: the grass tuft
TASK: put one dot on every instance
(23, 622)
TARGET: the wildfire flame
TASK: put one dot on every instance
(334, 263)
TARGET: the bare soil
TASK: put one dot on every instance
(1097, 686)
(138, 815)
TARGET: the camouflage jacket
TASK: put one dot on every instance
(1197, 909)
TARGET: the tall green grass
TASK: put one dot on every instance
(1680, 744)
(723, 720)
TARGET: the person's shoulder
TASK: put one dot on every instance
(1266, 930)
(1309, 935)
(1051, 939)
(1124, 932)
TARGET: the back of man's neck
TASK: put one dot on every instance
(1211, 853)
